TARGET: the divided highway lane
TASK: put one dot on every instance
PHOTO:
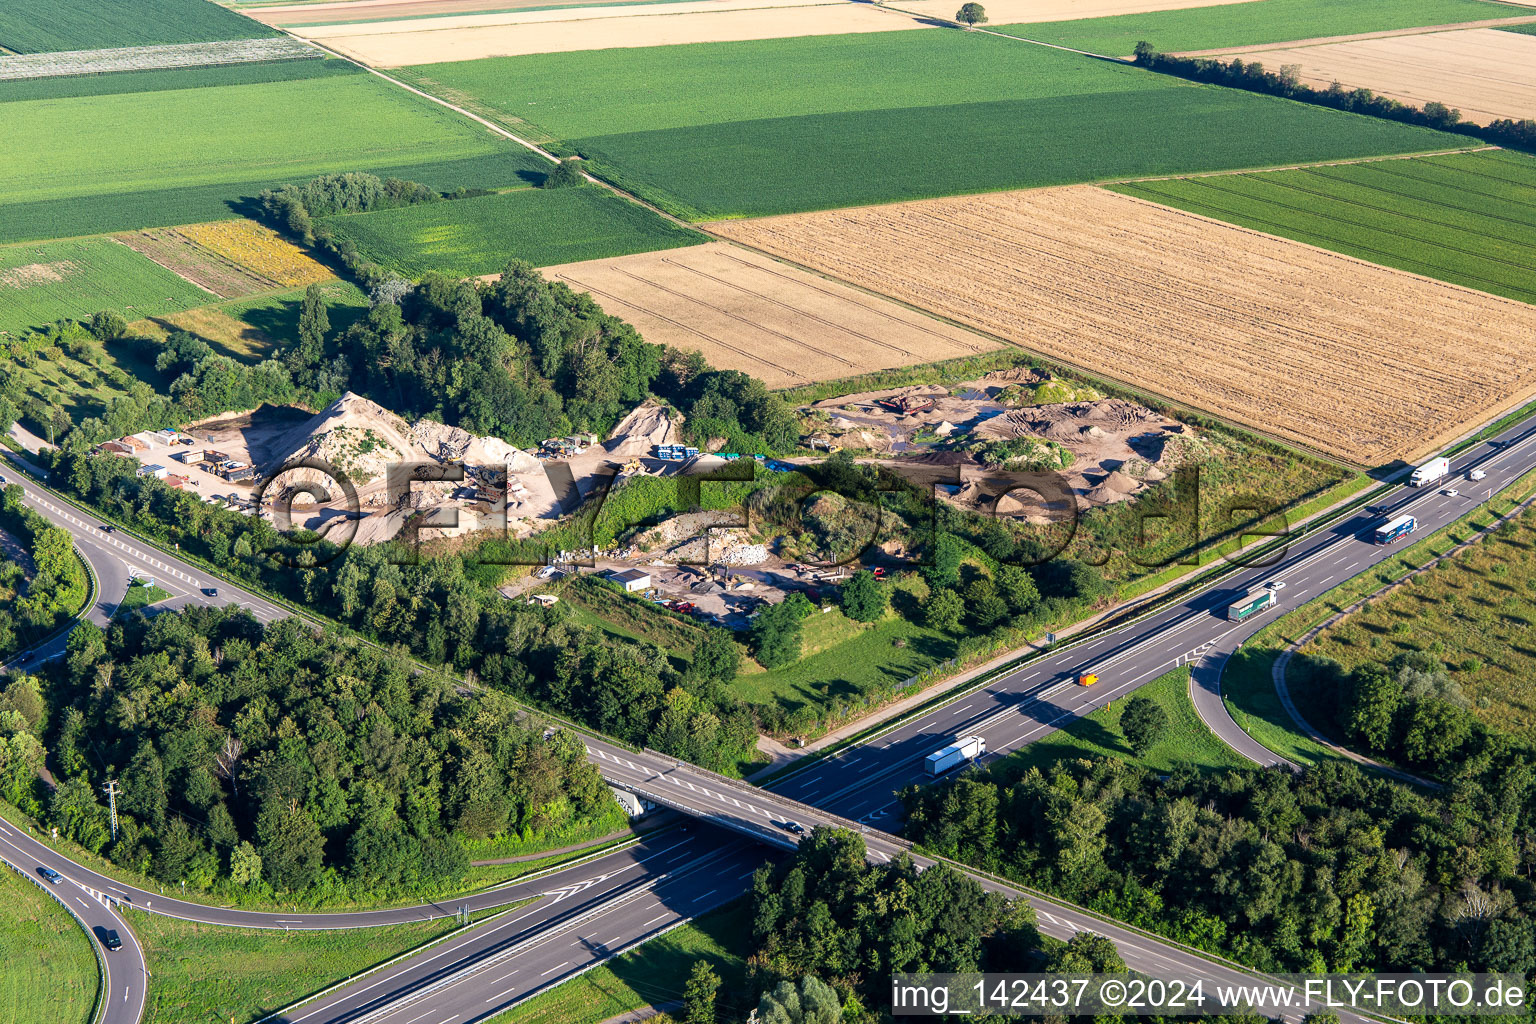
(1030, 703)
(127, 977)
(739, 806)
(490, 968)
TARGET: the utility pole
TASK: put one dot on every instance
(111, 790)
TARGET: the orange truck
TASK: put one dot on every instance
(1087, 679)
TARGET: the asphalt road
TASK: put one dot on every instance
(487, 969)
(116, 557)
(127, 979)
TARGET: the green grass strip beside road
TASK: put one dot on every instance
(212, 972)
(48, 971)
(1247, 685)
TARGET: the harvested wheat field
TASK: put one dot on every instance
(744, 311)
(472, 37)
(1023, 12)
(381, 10)
(1359, 361)
(1483, 72)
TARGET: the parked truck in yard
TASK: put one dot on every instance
(960, 752)
(1434, 469)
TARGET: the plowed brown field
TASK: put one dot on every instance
(1365, 363)
(1485, 73)
(747, 312)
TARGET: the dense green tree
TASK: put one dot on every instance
(863, 598)
(716, 657)
(1376, 699)
(699, 994)
(1017, 588)
(108, 325)
(971, 14)
(314, 323)
(1144, 722)
(291, 846)
(943, 568)
(943, 610)
(565, 173)
(810, 1001)
(776, 635)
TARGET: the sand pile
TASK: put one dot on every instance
(873, 398)
(646, 426)
(359, 436)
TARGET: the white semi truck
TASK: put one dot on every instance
(1431, 471)
(957, 753)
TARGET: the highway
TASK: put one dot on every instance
(115, 557)
(857, 788)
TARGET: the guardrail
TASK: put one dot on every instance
(99, 1010)
(810, 810)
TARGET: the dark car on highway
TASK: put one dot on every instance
(108, 938)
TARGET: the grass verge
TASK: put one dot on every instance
(204, 972)
(48, 972)
(1186, 743)
(652, 974)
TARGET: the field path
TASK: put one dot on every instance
(1524, 19)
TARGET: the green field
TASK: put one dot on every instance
(471, 237)
(1254, 23)
(43, 283)
(87, 164)
(654, 973)
(719, 130)
(843, 659)
(48, 973)
(1528, 30)
(1467, 218)
(207, 973)
(1186, 743)
(69, 86)
(34, 26)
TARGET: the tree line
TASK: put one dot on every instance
(1252, 77)
(524, 358)
(1333, 869)
(32, 608)
(829, 915)
(254, 760)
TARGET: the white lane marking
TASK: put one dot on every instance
(421, 1015)
(710, 893)
(653, 920)
(555, 968)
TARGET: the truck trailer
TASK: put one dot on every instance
(960, 752)
(1431, 471)
(1251, 604)
(1402, 526)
